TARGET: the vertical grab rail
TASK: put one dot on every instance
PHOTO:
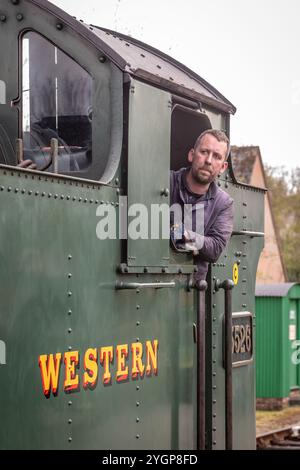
(201, 287)
(228, 285)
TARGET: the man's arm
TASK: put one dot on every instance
(209, 247)
(27, 164)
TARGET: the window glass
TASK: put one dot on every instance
(56, 103)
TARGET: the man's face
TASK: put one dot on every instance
(208, 160)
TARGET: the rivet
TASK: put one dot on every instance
(70, 312)
(215, 319)
(69, 256)
(138, 307)
(70, 348)
(68, 198)
(43, 194)
(19, 16)
(214, 361)
(244, 305)
(49, 195)
(97, 202)
(137, 403)
(37, 193)
(16, 190)
(137, 436)
(126, 270)
(2, 188)
(69, 294)
(70, 403)
(91, 201)
(137, 420)
(214, 443)
(138, 323)
(70, 330)
(214, 374)
(85, 200)
(214, 429)
(70, 421)
(69, 275)
(55, 196)
(214, 415)
(15, 2)
(146, 270)
(214, 305)
(117, 181)
(118, 191)
(30, 192)
(138, 291)
(180, 270)
(62, 197)
(214, 333)
(2, 18)
(23, 191)
(79, 199)
(9, 189)
(102, 59)
(137, 387)
(59, 26)
(74, 198)
(214, 402)
(137, 340)
(214, 346)
(214, 387)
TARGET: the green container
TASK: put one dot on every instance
(277, 340)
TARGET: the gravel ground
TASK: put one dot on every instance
(271, 420)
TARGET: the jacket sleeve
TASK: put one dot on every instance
(210, 246)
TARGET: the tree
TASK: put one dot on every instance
(284, 190)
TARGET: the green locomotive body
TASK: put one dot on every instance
(98, 334)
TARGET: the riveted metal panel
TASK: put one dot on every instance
(148, 167)
(58, 293)
(243, 252)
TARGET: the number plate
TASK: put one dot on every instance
(242, 338)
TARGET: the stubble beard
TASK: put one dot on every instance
(201, 178)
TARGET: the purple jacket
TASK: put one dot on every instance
(218, 219)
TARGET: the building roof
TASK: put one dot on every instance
(274, 290)
(243, 160)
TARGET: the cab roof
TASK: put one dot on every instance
(143, 61)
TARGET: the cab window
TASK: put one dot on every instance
(56, 103)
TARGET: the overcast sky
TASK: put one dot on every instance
(247, 49)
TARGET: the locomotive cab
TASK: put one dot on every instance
(101, 325)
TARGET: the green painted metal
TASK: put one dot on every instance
(57, 291)
(278, 337)
(57, 278)
(245, 251)
(148, 168)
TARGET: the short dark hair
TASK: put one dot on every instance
(219, 135)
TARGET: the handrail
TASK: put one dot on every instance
(228, 285)
(144, 285)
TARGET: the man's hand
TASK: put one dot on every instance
(27, 164)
